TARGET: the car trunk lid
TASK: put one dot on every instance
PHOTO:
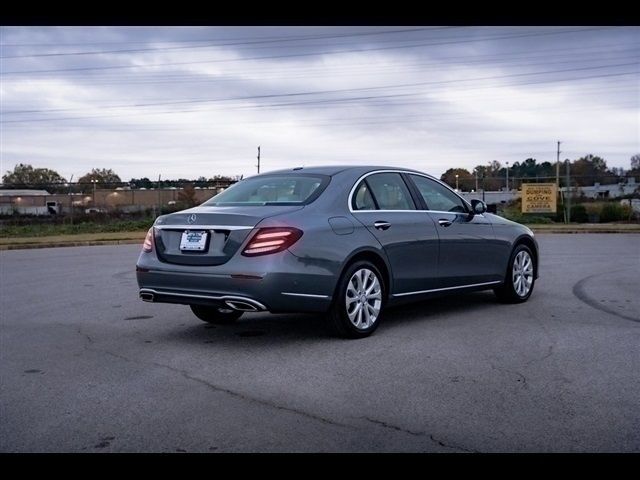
(224, 228)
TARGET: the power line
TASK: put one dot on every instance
(439, 114)
(257, 97)
(306, 103)
(208, 45)
(335, 69)
(181, 78)
(314, 72)
(209, 39)
(118, 67)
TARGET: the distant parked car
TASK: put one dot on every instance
(346, 241)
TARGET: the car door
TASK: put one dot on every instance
(383, 203)
(468, 253)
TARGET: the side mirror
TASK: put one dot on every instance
(478, 207)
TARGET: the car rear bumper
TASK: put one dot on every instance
(276, 284)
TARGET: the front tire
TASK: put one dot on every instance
(215, 315)
(520, 277)
(357, 306)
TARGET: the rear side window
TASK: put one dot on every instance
(383, 191)
(362, 200)
(272, 190)
(438, 197)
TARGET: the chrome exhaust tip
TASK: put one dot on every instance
(147, 296)
(240, 305)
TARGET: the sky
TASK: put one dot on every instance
(186, 102)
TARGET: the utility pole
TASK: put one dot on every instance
(507, 176)
(258, 159)
(94, 181)
(568, 194)
(476, 172)
(159, 196)
(71, 198)
(558, 167)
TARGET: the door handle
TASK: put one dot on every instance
(443, 222)
(381, 225)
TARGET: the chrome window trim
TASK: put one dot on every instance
(446, 288)
(416, 211)
(407, 172)
(202, 227)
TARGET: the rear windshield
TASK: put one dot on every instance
(272, 190)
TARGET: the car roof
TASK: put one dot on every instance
(335, 169)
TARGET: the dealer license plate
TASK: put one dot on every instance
(193, 241)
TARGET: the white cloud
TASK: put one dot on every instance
(450, 120)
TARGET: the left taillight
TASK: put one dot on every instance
(271, 240)
(147, 246)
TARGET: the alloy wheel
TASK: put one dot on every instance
(363, 298)
(522, 273)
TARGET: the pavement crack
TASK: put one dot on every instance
(418, 434)
(544, 357)
(452, 446)
(394, 427)
(85, 335)
(233, 393)
(252, 399)
(78, 329)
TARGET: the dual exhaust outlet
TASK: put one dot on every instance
(240, 305)
(236, 303)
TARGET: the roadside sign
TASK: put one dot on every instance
(539, 197)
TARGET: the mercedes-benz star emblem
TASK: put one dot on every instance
(192, 218)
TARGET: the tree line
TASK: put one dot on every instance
(28, 177)
(584, 171)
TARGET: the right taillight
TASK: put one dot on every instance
(147, 246)
(271, 240)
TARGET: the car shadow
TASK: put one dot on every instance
(432, 309)
(260, 329)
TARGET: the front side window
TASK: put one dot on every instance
(271, 190)
(438, 197)
(383, 191)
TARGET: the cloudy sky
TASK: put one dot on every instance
(184, 102)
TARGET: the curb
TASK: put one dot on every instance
(130, 241)
(629, 228)
(86, 243)
(583, 231)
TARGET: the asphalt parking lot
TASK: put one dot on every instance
(87, 367)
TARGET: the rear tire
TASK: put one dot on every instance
(357, 305)
(216, 315)
(519, 278)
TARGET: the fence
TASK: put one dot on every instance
(86, 198)
(39, 202)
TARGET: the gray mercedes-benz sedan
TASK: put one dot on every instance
(345, 241)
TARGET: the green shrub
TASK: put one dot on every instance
(612, 212)
(519, 217)
(579, 214)
(535, 219)
(44, 230)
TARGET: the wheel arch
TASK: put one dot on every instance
(375, 257)
(529, 242)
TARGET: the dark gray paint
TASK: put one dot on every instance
(420, 254)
